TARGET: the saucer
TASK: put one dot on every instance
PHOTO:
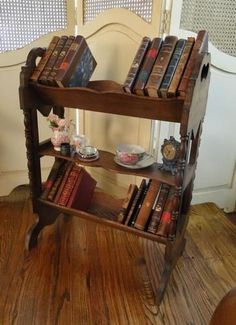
(143, 163)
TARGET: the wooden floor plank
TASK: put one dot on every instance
(83, 273)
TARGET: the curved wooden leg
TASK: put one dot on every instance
(46, 216)
(172, 253)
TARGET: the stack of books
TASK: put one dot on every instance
(69, 185)
(149, 207)
(163, 67)
(67, 62)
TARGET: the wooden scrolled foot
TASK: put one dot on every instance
(47, 216)
(171, 259)
(163, 282)
(32, 236)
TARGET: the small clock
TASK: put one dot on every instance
(170, 154)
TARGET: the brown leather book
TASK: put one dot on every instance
(147, 205)
(201, 45)
(77, 66)
(69, 185)
(160, 66)
(146, 68)
(57, 165)
(158, 208)
(82, 193)
(39, 68)
(52, 60)
(51, 78)
(136, 65)
(172, 90)
(61, 182)
(132, 190)
(135, 203)
(164, 226)
(162, 92)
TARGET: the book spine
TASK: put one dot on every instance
(52, 60)
(147, 205)
(39, 68)
(147, 66)
(158, 207)
(133, 188)
(62, 54)
(172, 90)
(135, 203)
(68, 59)
(51, 178)
(56, 197)
(160, 66)
(136, 64)
(164, 226)
(162, 92)
(201, 45)
(140, 204)
(56, 184)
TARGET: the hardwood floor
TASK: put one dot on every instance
(83, 273)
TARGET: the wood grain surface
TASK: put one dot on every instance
(86, 273)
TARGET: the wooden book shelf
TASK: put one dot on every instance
(108, 97)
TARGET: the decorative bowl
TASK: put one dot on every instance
(129, 154)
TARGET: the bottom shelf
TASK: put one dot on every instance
(104, 209)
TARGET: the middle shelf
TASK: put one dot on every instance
(106, 161)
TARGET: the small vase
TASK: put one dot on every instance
(58, 137)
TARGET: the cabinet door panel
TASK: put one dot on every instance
(216, 171)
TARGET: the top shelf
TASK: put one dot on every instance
(108, 97)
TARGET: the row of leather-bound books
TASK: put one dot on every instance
(66, 62)
(149, 207)
(163, 67)
(69, 185)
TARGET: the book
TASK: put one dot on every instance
(136, 64)
(69, 185)
(160, 66)
(146, 68)
(82, 193)
(132, 190)
(53, 191)
(147, 205)
(52, 60)
(172, 90)
(77, 66)
(164, 225)
(162, 92)
(61, 182)
(135, 202)
(140, 203)
(51, 78)
(43, 61)
(200, 45)
(58, 163)
(157, 209)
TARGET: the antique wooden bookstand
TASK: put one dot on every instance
(108, 96)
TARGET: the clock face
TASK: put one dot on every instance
(169, 151)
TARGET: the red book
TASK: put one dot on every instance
(69, 185)
(164, 226)
(82, 193)
(64, 179)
